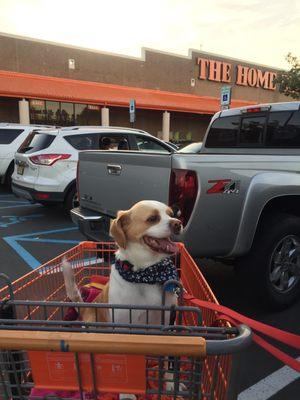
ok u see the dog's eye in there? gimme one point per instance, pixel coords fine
(153, 218)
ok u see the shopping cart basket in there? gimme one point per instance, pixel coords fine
(45, 356)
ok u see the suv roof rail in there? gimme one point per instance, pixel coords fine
(29, 125)
(100, 127)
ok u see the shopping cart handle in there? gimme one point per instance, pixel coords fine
(230, 346)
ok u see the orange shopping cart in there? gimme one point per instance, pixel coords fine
(44, 355)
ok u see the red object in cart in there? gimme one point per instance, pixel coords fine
(91, 360)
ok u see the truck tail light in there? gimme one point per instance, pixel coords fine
(255, 109)
(183, 192)
(48, 159)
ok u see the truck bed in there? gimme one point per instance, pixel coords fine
(231, 192)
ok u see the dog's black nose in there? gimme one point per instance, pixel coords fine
(175, 225)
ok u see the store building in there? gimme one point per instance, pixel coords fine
(49, 83)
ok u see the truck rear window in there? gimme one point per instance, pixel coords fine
(276, 129)
(223, 132)
(36, 141)
(283, 129)
(252, 131)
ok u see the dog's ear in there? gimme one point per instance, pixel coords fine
(117, 228)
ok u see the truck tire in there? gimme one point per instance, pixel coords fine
(271, 269)
(71, 200)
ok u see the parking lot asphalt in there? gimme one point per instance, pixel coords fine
(32, 234)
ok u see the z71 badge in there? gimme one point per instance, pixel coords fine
(224, 186)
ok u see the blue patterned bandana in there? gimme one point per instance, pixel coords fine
(161, 272)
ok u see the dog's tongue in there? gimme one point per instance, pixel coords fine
(161, 245)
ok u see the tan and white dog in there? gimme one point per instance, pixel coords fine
(143, 238)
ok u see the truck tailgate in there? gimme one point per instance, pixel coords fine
(111, 181)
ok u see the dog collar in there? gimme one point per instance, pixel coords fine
(161, 272)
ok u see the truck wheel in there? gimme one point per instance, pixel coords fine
(272, 268)
(71, 200)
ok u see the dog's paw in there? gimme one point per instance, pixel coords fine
(123, 396)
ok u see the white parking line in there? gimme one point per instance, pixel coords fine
(270, 385)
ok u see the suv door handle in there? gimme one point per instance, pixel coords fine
(114, 169)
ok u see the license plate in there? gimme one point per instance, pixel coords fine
(20, 169)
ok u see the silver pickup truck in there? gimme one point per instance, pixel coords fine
(238, 198)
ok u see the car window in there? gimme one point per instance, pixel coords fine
(148, 145)
(223, 132)
(36, 141)
(283, 129)
(113, 142)
(252, 130)
(87, 141)
(7, 136)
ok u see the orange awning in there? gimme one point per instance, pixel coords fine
(15, 84)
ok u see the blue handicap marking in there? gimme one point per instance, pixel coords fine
(7, 220)
(10, 201)
(14, 242)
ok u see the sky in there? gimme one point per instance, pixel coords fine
(260, 31)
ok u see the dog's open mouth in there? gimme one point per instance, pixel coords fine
(163, 245)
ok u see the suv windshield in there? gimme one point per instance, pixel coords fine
(36, 141)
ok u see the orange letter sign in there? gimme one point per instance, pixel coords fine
(242, 75)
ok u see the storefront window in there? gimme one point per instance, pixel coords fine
(9, 109)
(81, 114)
(87, 114)
(52, 113)
(186, 128)
(64, 114)
(37, 111)
(93, 114)
(67, 114)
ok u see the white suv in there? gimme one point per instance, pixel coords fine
(11, 137)
(46, 162)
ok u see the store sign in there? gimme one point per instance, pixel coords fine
(37, 103)
(220, 71)
(93, 107)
